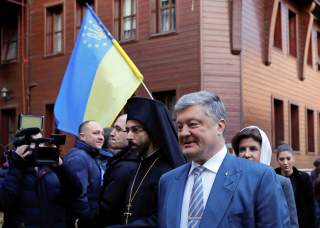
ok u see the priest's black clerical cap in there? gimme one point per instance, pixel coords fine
(155, 118)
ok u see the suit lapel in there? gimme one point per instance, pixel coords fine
(176, 197)
(221, 193)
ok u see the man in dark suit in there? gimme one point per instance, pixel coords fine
(216, 189)
(116, 178)
(81, 161)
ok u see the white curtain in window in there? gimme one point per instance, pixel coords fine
(127, 8)
(58, 33)
(129, 21)
(57, 43)
(12, 51)
(9, 48)
(165, 20)
(57, 22)
(164, 3)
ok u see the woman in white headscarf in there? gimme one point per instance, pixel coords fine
(252, 143)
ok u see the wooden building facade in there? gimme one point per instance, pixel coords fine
(260, 57)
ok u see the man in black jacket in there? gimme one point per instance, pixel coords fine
(82, 162)
(35, 196)
(117, 176)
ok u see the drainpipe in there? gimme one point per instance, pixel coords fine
(22, 59)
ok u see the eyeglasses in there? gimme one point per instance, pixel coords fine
(135, 129)
(119, 129)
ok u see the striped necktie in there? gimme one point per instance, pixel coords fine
(196, 205)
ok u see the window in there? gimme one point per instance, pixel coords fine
(163, 16)
(277, 42)
(54, 30)
(8, 126)
(309, 59)
(278, 122)
(310, 131)
(9, 39)
(81, 9)
(292, 33)
(294, 123)
(49, 124)
(318, 51)
(125, 19)
(318, 131)
(168, 98)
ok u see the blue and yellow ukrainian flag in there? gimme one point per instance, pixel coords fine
(99, 79)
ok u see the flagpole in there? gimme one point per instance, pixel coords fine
(145, 87)
(136, 71)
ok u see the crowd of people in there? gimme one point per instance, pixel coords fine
(146, 171)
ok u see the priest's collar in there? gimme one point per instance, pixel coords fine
(152, 156)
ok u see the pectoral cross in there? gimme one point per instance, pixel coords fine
(127, 214)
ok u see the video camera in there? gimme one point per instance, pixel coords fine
(45, 151)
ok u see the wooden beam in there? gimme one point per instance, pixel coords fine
(235, 26)
(304, 34)
(271, 7)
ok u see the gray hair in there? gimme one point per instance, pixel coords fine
(284, 147)
(211, 103)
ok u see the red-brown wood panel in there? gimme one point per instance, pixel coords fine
(280, 80)
(220, 70)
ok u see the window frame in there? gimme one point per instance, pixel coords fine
(290, 9)
(9, 42)
(155, 26)
(164, 95)
(63, 32)
(118, 27)
(278, 28)
(273, 121)
(76, 3)
(317, 44)
(49, 125)
(7, 134)
(307, 129)
(310, 51)
(318, 132)
(290, 103)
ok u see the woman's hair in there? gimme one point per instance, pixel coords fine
(245, 134)
(284, 147)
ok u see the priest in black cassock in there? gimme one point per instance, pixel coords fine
(152, 136)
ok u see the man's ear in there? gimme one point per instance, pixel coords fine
(81, 136)
(221, 126)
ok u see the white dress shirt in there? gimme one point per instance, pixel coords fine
(208, 176)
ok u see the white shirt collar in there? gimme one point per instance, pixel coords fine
(214, 163)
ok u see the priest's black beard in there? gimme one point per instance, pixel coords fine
(141, 149)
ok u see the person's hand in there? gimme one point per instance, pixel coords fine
(23, 151)
(19, 158)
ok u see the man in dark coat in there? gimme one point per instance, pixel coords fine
(301, 184)
(117, 176)
(152, 137)
(82, 162)
(35, 196)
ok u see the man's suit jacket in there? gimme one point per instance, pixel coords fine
(244, 194)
